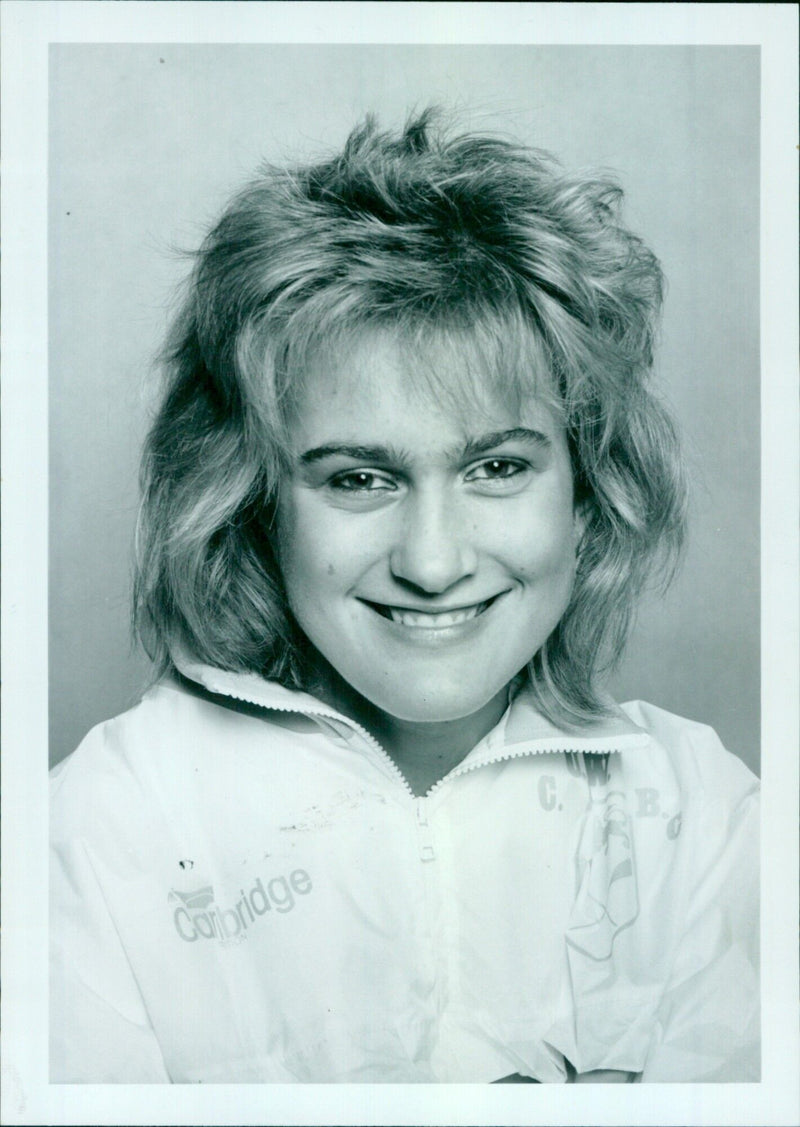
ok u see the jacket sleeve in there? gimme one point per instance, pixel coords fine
(707, 1027)
(99, 1028)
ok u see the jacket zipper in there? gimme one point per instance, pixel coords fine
(424, 835)
(516, 751)
(329, 715)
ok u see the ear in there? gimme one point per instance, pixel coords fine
(581, 516)
(581, 519)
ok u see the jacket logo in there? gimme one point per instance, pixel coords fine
(198, 916)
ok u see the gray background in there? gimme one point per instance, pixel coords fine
(146, 144)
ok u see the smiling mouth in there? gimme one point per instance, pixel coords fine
(430, 620)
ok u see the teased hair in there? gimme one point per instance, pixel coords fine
(470, 237)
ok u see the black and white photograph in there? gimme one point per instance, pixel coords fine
(420, 613)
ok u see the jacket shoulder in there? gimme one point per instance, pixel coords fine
(116, 765)
(696, 754)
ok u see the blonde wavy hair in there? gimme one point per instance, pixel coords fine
(430, 233)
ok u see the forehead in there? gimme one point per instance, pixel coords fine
(384, 379)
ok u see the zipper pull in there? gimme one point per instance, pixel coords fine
(424, 837)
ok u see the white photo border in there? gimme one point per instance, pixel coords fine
(28, 29)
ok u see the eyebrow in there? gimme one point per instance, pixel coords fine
(476, 446)
(388, 454)
(348, 450)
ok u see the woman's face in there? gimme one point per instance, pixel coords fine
(426, 553)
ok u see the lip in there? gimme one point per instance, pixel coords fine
(427, 620)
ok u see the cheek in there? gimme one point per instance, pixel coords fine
(314, 556)
(544, 548)
(295, 546)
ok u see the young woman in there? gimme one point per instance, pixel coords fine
(377, 819)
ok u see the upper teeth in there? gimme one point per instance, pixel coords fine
(435, 621)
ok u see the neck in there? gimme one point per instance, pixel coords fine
(423, 751)
(426, 752)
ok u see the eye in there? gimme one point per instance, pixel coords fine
(361, 481)
(498, 473)
(494, 468)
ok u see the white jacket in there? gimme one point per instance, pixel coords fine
(250, 895)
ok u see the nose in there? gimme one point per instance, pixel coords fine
(434, 549)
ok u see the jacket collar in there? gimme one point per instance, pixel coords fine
(522, 729)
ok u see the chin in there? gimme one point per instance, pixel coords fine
(437, 708)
